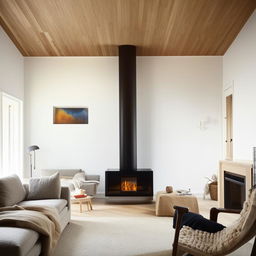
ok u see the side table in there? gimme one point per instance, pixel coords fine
(87, 200)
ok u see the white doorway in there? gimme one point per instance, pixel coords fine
(228, 122)
(11, 116)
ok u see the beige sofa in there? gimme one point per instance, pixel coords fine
(26, 242)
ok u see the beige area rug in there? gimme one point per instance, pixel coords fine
(120, 230)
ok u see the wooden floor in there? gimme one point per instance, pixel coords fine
(113, 214)
(103, 209)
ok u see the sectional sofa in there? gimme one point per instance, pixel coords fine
(20, 241)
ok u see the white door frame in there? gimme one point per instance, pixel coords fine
(228, 89)
(20, 136)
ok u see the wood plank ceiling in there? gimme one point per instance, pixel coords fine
(96, 27)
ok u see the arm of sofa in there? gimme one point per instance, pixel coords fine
(65, 194)
(92, 177)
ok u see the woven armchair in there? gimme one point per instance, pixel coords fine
(201, 243)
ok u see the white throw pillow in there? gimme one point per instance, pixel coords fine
(45, 187)
(78, 179)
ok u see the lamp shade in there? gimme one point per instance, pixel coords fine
(33, 148)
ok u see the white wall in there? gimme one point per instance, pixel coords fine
(11, 67)
(88, 82)
(239, 68)
(174, 94)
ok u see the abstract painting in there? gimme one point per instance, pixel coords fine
(70, 115)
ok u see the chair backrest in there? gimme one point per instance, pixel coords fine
(244, 228)
(225, 241)
(249, 212)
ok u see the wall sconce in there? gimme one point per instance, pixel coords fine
(204, 123)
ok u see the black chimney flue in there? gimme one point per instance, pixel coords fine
(128, 183)
(127, 108)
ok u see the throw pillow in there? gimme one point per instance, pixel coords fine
(45, 187)
(11, 190)
(78, 179)
(197, 221)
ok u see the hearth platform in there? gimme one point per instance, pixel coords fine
(129, 186)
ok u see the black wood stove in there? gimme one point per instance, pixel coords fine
(128, 182)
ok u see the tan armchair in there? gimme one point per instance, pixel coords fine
(200, 243)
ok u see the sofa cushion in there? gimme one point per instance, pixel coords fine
(58, 204)
(11, 190)
(44, 187)
(17, 241)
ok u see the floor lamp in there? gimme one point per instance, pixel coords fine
(31, 150)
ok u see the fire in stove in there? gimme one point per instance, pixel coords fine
(129, 184)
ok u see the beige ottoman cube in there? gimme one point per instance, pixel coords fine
(166, 201)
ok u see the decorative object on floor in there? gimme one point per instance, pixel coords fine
(196, 242)
(81, 200)
(166, 201)
(32, 150)
(214, 181)
(70, 115)
(213, 188)
(169, 189)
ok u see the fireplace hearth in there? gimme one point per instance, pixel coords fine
(128, 182)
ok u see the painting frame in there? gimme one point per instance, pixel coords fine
(70, 115)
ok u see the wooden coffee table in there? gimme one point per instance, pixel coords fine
(87, 200)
